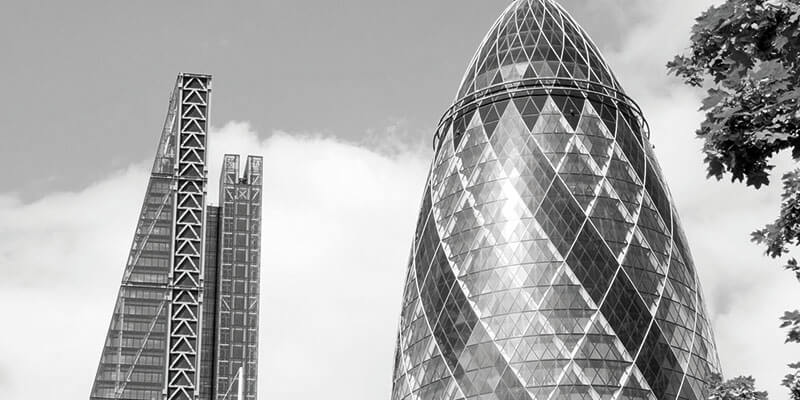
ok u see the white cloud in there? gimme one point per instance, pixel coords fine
(338, 223)
(53, 232)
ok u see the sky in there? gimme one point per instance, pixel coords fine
(341, 98)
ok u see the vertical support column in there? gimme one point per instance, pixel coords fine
(187, 258)
(240, 389)
(225, 364)
(253, 176)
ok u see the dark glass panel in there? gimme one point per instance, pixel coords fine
(659, 365)
(592, 262)
(626, 313)
(560, 216)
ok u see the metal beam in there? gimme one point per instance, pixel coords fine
(187, 257)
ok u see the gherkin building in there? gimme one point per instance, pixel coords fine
(548, 260)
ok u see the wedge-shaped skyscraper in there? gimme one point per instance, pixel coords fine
(548, 260)
(185, 324)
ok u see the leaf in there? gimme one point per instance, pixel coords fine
(780, 42)
(790, 318)
(771, 137)
(725, 113)
(789, 96)
(772, 70)
(795, 15)
(715, 96)
(715, 168)
(757, 179)
(714, 18)
(741, 58)
(787, 380)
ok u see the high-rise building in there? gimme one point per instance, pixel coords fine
(234, 267)
(185, 324)
(549, 261)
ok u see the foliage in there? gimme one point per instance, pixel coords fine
(792, 381)
(746, 53)
(791, 320)
(741, 388)
(786, 228)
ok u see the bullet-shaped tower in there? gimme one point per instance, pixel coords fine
(548, 260)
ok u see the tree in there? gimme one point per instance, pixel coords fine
(741, 388)
(746, 53)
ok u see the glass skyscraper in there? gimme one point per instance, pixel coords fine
(548, 261)
(185, 324)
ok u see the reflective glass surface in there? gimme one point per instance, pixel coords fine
(535, 39)
(133, 360)
(238, 278)
(548, 260)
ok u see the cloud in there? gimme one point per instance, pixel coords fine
(338, 224)
(54, 230)
(608, 22)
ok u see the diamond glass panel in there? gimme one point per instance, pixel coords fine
(548, 260)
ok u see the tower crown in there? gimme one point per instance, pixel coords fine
(533, 43)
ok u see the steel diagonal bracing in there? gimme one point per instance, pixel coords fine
(183, 339)
(133, 259)
(129, 374)
(548, 258)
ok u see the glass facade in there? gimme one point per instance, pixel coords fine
(186, 316)
(548, 260)
(134, 354)
(210, 320)
(238, 277)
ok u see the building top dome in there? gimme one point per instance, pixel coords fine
(536, 40)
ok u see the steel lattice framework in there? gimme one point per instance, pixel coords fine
(185, 275)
